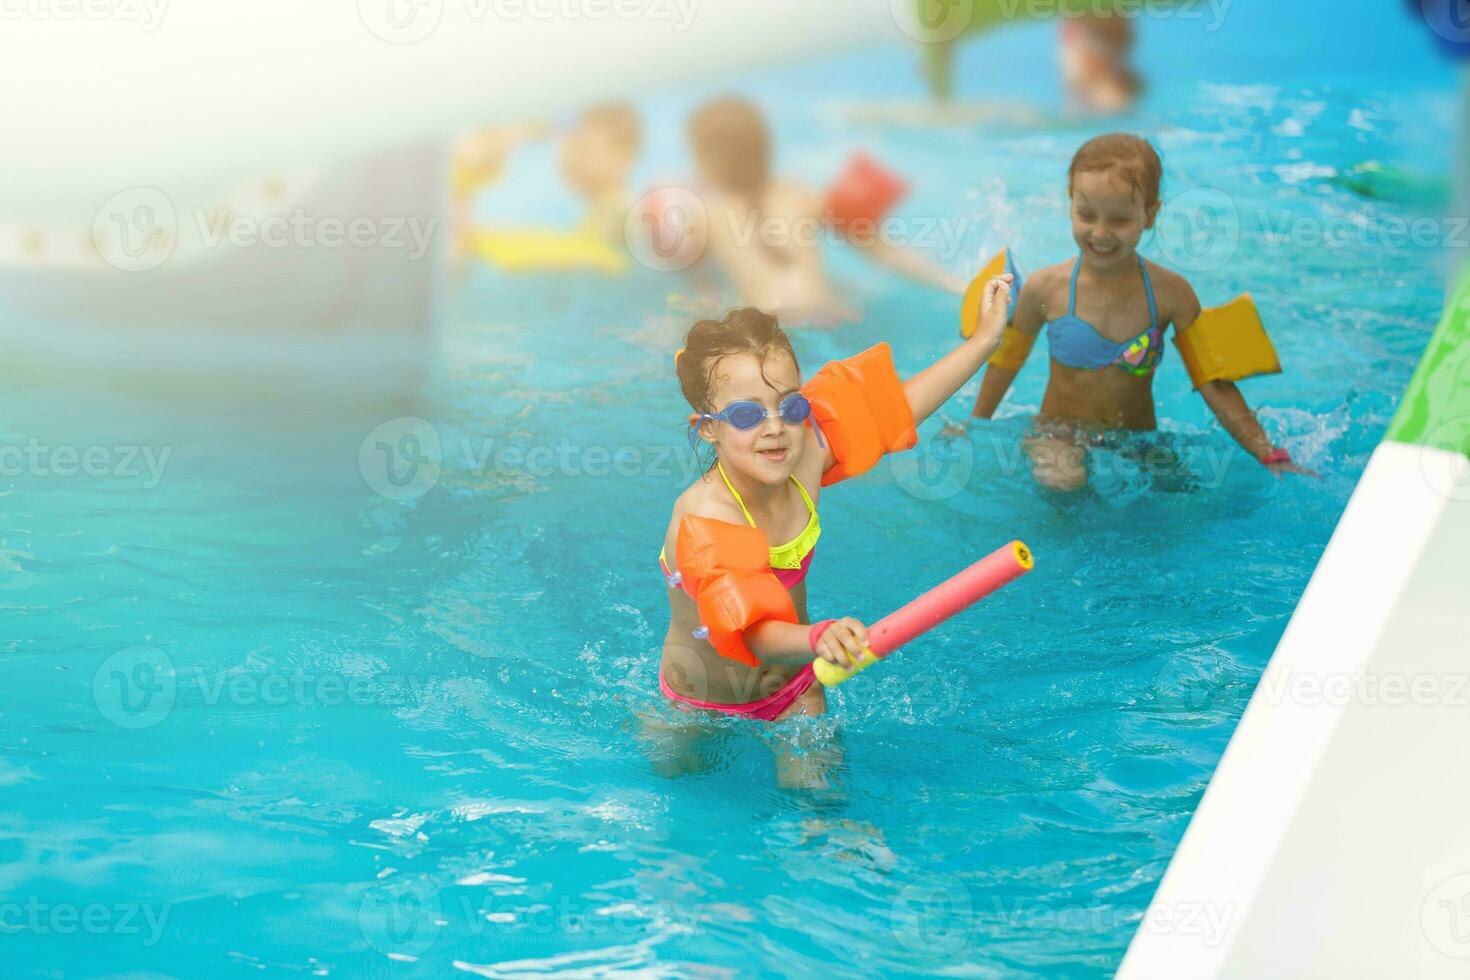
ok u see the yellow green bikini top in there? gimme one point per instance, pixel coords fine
(795, 553)
(790, 561)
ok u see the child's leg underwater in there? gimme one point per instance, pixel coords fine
(682, 747)
(1057, 462)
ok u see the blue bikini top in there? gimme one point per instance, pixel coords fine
(1077, 344)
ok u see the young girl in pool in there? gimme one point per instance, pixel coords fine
(1105, 314)
(741, 538)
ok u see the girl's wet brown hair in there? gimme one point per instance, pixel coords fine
(742, 331)
(1132, 158)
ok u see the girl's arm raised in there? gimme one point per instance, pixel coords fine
(866, 410)
(938, 382)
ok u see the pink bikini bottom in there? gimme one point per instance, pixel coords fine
(766, 709)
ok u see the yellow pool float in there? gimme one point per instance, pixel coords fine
(547, 250)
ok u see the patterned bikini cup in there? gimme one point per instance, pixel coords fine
(1142, 356)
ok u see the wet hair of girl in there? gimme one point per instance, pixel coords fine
(746, 330)
(1130, 158)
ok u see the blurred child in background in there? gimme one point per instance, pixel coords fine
(597, 155)
(766, 233)
(1095, 50)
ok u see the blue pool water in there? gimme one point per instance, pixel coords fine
(273, 700)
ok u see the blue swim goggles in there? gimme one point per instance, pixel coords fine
(745, 415)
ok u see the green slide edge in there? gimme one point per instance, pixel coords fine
(1435, 410)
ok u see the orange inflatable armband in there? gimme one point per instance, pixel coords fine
(726, 567)
(860, 409)
(1227, 343)
(863, 196)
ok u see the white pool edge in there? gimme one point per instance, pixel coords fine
(1225, 864)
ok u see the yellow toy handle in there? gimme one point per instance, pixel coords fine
(831, 675)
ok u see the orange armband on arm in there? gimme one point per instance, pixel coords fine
(1227, 343)
(862, 197)
(727, 568)
(1014, 348)
(861, 410)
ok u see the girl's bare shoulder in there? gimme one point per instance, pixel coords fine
(1049, 279)
(1175, 295)
(1045, 290)
(705, 497)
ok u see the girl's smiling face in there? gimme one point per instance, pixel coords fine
(769, 452)
(1108, 218)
